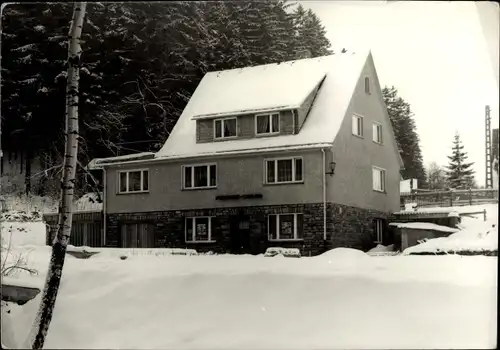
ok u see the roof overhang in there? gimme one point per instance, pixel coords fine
(235, 153)
(99, 163)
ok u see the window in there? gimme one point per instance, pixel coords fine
(133, 181)
(284, 170)
(367, 85)
(225, 128)
(137, 235)
(199, 229)
(199, 176)
(357, 125)
(378, 179)
(378, 226)
(285, 227)
(377, 132)
(267, 123)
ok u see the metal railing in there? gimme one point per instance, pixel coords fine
(449, 198)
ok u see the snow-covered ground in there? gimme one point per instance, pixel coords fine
(342, 299)
(475, 234)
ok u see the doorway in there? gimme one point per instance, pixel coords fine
(240, 234)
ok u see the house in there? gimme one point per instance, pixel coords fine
(297, 154)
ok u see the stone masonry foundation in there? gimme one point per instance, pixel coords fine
(346, 227)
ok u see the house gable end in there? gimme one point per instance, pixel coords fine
(377, 90)
(357, 154)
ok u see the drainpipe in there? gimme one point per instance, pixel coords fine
(324, 195)
(104, 190)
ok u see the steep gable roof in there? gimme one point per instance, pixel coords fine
(270, 87)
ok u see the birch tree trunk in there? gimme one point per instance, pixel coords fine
(41, 324)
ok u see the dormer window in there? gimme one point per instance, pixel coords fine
(225, 128)
(266, 124)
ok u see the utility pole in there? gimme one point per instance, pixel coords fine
(488, 159)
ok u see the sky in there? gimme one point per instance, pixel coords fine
(436, 54)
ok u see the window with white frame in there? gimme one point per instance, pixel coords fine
(367, 85)
(199, 176)
(199, 229)
(225, 128)
(378, 179)
(283, 170)
(377, 132)
(283, 227)
(378, 225)
(133, 181)
(267, 123)
(357, 125)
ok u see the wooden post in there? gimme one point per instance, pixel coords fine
(470, 196)
(451, 197)
(484, 214)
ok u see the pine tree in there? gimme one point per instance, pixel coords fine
(460, 174)
(407, 138)
(310, 34)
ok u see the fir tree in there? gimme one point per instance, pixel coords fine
(407, 138)
(460, 173)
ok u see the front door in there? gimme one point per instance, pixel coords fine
(137, 235)
(240, 234)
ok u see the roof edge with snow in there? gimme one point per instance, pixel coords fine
(98, 163)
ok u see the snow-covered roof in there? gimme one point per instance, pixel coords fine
(424, 226)
(274, 86)
(461, 210)
(256, 89)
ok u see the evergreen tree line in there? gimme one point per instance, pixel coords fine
(141, 62)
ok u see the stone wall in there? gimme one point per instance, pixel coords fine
(354, 227)
(346, 227)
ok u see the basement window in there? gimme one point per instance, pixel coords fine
(378, 228)
(285, 227)
(199, 229)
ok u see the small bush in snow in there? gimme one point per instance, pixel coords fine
(12, 264)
